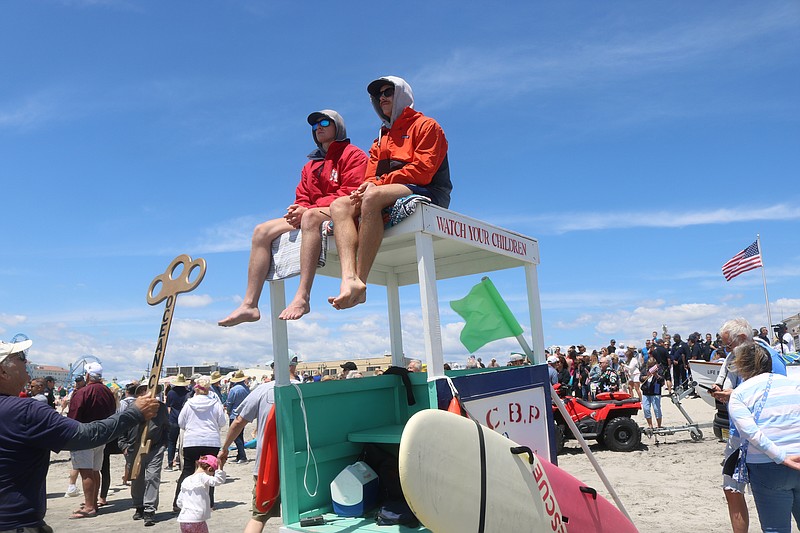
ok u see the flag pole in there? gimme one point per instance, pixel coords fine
(764, 277)
(576, 432)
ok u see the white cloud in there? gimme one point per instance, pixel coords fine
(633, 325)
(196, 300)
(472, 73)
(12, 320)
(567, 222)
(229, 236)
(579, 299)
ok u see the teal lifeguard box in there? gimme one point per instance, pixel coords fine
(430, 245)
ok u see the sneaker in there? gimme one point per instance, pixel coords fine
(149, 519)
(139, 514)
(72, 491)
(241, 462)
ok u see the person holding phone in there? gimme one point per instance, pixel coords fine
(652, 382)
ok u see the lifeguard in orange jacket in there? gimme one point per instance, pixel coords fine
(336, 169)
(408, 157)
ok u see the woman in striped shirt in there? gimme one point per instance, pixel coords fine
(765, 408)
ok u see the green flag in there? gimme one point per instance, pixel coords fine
(487, 316)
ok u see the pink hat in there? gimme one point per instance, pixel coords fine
(209, 460)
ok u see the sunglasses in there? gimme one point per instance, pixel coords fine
(21, 356)
(324, 123)
(386, 93)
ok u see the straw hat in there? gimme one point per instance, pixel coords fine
(215, 376)
(180, 381)
(238, 376)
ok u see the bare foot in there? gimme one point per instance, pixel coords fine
(353, 292)
(241, 314)
(296, 308)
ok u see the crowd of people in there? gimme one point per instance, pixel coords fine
(628, 368)
(187, 421)
(763, 449)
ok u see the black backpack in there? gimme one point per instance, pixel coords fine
(393, 510)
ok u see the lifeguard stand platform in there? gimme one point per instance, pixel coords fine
(431, 244)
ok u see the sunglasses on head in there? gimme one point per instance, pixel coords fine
(324, 123)
(22, 356)
(386, 93)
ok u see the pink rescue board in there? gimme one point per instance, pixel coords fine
(575, 509)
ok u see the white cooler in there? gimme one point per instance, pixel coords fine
(355, 490)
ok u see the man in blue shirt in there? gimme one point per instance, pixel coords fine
(236, 396)
(646, 352)
(31, 430)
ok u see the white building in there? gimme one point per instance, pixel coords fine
(58, 373)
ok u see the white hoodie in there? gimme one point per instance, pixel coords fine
(193, 499)
(202, 419)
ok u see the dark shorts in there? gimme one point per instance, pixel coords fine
(428, 193)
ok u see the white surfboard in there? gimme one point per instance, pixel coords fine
(441, 475)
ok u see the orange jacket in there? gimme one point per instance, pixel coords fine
(411, 152)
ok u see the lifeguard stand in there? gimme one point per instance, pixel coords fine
(431, 244)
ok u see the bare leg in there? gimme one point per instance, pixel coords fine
(737, 509)
(96, 482)
(310, 248)
(637, 388)
(254, 526)
(260, 257)
(90, 489)
(345, 232)
(370, 235)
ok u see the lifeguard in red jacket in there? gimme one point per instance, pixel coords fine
(336, 169)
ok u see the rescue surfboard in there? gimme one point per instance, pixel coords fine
(452, 482)
(575, 504)
(459, 476)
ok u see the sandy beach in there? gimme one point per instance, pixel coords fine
(672, 486)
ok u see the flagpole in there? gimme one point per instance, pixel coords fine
(764, 277)
(576, 432)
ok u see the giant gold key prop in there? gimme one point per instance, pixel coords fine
(170, 284)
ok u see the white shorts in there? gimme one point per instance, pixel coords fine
(728, 483)
(91, 459)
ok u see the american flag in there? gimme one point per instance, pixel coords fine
(747, 259)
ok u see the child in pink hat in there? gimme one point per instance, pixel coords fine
(194, 500)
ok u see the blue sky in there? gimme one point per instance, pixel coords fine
(643, 145)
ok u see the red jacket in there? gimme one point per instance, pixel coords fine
(338, 174)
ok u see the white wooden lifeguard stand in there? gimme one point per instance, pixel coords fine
(431, 244)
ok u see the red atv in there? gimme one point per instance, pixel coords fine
(607, 420)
